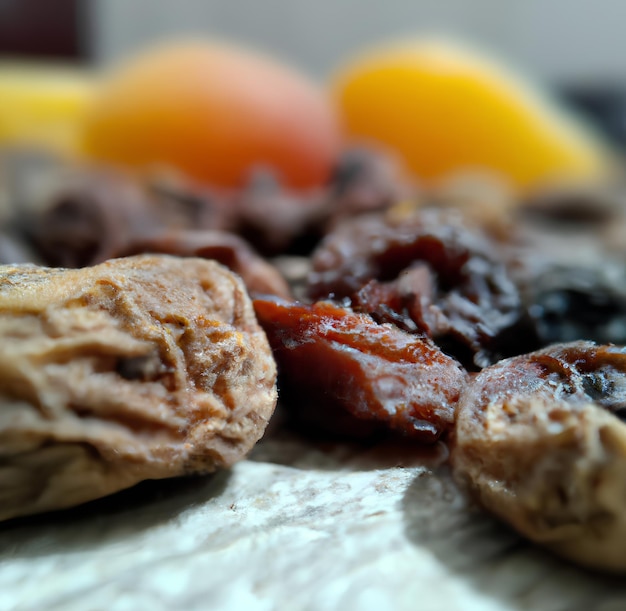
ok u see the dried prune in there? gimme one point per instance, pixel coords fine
(569, 264)
(139, 368)
(426, 270)
(569, 303)
(364, 181)
(540, 439)
(331, 356)
(275, 220)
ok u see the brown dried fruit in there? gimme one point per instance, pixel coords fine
(335, 361)
(276, 220)
(427, 273)
(365, 181)
(228, 249)
(86, 216)
(540, 439)
(139, 368)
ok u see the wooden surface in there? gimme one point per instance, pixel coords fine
(297, 526)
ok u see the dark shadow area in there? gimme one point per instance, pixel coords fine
(293, 446)
(292, 449)
(107, 520)
(494, 560)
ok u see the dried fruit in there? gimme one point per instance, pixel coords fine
(445, 108)
(427, 273)
(572, 293)
(569, 303)
(84, 217)
(258, 275)
(334, 360)
(541, 441)
(215, 112)
(43, 105)
(139, 368)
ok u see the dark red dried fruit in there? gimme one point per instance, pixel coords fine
(427, 273)
(331, 356)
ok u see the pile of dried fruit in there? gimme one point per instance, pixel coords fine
(436, 314)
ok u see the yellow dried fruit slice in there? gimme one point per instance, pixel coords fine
(445, 108)
(43, 105)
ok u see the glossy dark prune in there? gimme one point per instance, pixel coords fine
(568, 304)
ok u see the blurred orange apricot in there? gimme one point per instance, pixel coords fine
(445, 108)
(215, 112)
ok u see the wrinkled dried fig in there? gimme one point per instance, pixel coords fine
(139, 368)
(540, 440)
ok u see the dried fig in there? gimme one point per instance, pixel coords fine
(139, 368)
(540, 440)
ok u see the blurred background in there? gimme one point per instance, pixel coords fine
(567, 41)
(575, 46)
